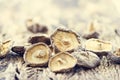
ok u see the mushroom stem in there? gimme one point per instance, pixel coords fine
(61, 61)
(40, 53)
(65, 42)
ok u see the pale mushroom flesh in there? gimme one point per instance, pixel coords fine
(97, 45)
(38, 54)
(5, 47)
(61, 62)
(65, 40)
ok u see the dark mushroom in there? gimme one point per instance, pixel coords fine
(87, 59)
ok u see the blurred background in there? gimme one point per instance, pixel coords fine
(74, 14)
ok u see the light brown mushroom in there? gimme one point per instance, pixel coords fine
(98, 46)
(5, 48)
(37, 55)
(65, 40)
(62, 62)
(87, 59)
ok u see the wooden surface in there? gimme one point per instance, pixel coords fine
(76, 15)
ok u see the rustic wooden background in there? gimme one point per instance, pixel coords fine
(73, 14)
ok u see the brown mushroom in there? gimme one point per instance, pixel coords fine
(65, 40)
(115, 57)
(37, 55)
(98, 46)
(37, 39)
(87, 59)
(5, 48)
(36, 27)
(62, 62)
(92, 33)
(19, 50)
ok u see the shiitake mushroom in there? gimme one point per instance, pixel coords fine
(39, 38)
(115, 56)
(37, 55)
(92, 33)
(36, 27)
(20, 50)
(86, 59)
(65, 40)
(5, 48)
(98, 46)
(62, 62)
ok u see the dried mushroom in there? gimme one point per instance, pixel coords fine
(62, 62)
(98, 46)
(37, 55)
(115, 57)
(37, 39)
(36, 27)
(5, 48)
(87, 59)
(91, 35)
(65, 40)
(19, 50)
(117, 31)
(91, 32)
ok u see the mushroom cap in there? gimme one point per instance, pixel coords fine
(5, 48)
(35, 27)
(97, 45)
(36, 39)
(65, 40)
(87, 59)
(61, 62)
(18, 49)
(117, 52)
(37, 55)
(115, 57)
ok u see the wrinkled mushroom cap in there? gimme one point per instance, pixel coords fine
(39, 38)
(61, 62)
(5, 47)
(37, 55)
(65, 40)
(18, 49)
(35, 27)
(97, 45)
(87, 59)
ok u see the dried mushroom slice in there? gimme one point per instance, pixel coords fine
(98, 46)
(65, 40)
(37, 55)
(5, 48)
(115, 57)
(62, 62)
(19, 50)
(37, 39)
(87, 59)
(36, 27)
